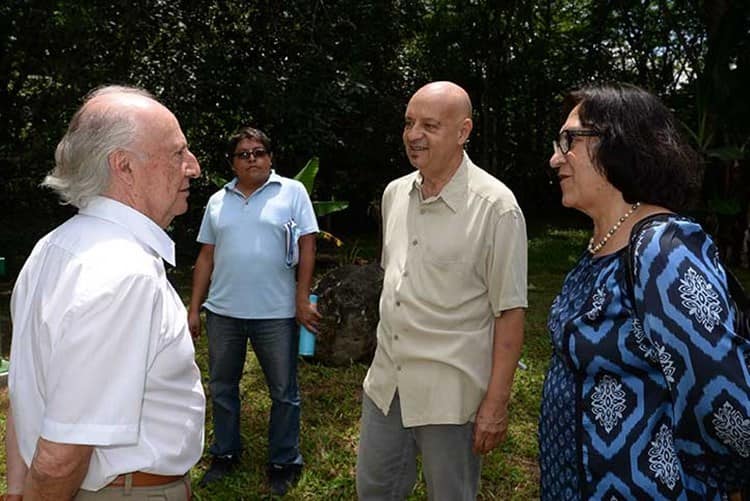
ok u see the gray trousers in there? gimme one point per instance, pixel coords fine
(387, 457)
(175, 491)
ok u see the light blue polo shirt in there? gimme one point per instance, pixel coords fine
(250, 278)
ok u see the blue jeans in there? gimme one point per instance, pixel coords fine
(275, 344)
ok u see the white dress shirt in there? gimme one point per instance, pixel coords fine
(101, 354)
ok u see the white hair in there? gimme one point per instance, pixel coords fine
(82, 157)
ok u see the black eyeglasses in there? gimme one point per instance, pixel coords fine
(564, 140)
(245, 155)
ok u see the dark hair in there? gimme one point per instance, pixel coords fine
(640, 151)
(247, 133)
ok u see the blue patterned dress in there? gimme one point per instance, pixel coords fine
(653, 404)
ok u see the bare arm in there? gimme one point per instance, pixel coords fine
(491, 423)
(57, 471)
(15, 467)
(307, 313)
(204, 266)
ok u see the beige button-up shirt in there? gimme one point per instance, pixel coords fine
(452, 264)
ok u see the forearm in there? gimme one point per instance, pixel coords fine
(204, 267)
(306, 266)
(506, 351)
(57, 471)
(15, 467)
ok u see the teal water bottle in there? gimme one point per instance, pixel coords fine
(307, 338)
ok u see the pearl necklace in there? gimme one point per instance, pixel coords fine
(593, 249)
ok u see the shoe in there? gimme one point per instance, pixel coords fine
(220, 467)
(282, 477)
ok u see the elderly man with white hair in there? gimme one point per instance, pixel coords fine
(106, 398)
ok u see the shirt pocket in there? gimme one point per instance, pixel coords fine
(446, 284)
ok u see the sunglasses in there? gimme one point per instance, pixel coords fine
(245, 155)
(564, 140)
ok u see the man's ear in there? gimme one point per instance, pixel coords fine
(120, 167)
(463, 134)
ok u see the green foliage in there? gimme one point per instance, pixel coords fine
(332, 79)
(307, 177)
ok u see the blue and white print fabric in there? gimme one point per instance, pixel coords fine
(660, 389)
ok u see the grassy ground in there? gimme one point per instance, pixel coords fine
(332, 399)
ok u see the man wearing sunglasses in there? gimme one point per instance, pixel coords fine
(254, 231)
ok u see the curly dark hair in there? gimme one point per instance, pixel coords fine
(246, 133)
(640, 151)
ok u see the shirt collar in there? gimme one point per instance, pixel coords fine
(272, 178)
(141, 226)
(454, 193)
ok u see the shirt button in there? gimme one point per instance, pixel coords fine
(422, 211)
(395, 337)
(398, 303)
(414, 242)
(398, 367)
(406, 273)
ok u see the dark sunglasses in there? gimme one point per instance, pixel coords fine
(245, 155)
(564, 140)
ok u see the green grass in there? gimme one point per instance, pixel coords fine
(332, 398)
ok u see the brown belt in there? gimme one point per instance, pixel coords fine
(143, 479)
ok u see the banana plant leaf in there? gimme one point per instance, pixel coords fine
(327, 207)
(307, 175)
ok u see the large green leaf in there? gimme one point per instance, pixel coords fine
(307, 175)
(323, 208)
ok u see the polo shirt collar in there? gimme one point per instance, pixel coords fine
(141, 226)
(272, 178)
(455, 192)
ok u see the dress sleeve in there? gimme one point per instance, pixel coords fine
(682, 302)
(97, 372)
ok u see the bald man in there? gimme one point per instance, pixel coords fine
(106, 398)
(451, 312)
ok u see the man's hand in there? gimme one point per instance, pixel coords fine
(307, 314)
(194, 323)
(490, 426)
